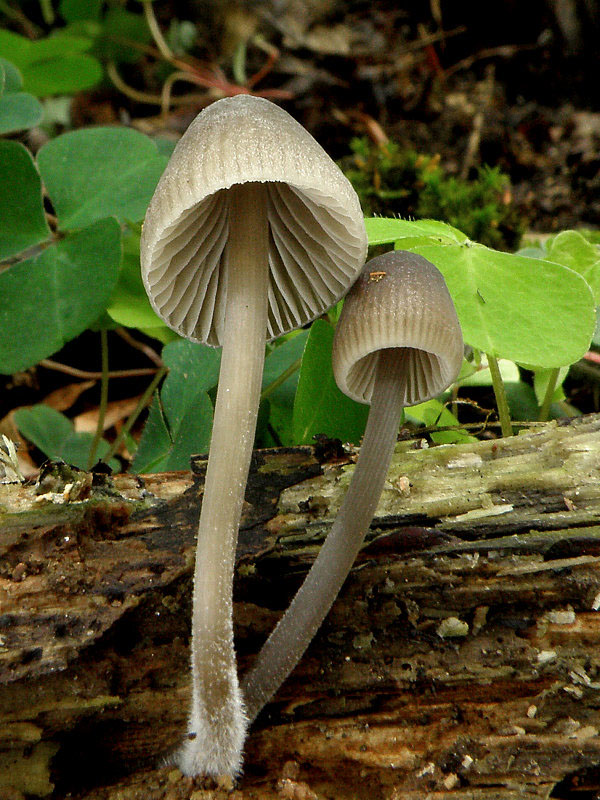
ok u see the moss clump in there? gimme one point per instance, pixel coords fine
(394, 182)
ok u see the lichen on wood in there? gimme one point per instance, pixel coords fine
(461, 659)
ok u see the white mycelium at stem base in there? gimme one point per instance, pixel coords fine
(252, 231)
(398, 342)
(308, 609)
(217, 726)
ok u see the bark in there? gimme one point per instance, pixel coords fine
(460, 661)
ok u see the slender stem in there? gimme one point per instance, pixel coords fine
(30, 30)
(501, 401)
(156, 32)
(280, 379)
(238, 63)
(165, 95)
(218, 723)
(141, 346)
(142, 403)
(94, 376)
(308, 609)
(103, 398)
(547, 402)
(272, 56)
(147, 97)
(47, 12)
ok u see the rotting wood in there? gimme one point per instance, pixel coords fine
(461, 660)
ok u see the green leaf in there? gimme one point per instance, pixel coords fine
(527, 310)
(155, 444)
(121, 31)
(319, 406)
(382, 230)
(532, 252)
(279, 403)
(509, 372)
(193, 368)
(99, 172)
(45, 427)
(10, 78)
(53, 434)
(572, 250)
(281, 420)
(62, 75)
(57, 64)
(596, 336)
(15, 48)
(434, 413)
(77, 10)
(21, 211)
(129, 304)
(161, 333)
(18, 110)
(541, 379)
(180, 422)
(47, 300)
(521, 401)
(284, 356)
(165, 146)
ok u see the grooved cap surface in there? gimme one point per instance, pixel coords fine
(399, 301)
(317, 238)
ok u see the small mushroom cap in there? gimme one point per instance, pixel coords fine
(317, 237)
(399, 301)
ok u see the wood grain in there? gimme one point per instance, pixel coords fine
(460, 661)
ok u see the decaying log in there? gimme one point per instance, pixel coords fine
(460, 661)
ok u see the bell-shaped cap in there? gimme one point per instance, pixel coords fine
(399, 301)
(317, 238)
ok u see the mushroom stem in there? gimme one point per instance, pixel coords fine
(310, 606)
(218, 723)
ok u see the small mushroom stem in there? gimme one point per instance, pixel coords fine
(218, 722)
(310, 606)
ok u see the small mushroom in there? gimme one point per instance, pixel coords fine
(398, 342)
(252, 231)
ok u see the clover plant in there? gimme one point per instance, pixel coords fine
(69, 261)
(19, 110)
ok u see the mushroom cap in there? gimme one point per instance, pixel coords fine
(317, 237)
(401, 301)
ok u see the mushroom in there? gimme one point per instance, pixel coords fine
(252, 231)
(398, 342)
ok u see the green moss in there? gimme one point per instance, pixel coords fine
(394, 182)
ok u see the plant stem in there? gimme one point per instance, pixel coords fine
(146, 97)
(156, 32)
(308, 609)
(217, 725)
(142, 403)
(238, 63)
(501, 401)
(141, 346)
(547, 402)
(47, 11)
(94, 376)
(103, 398)
(31, 31)
(167, 99)
(280, 379)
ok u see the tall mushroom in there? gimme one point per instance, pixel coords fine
(252, 231)
(398, 342)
